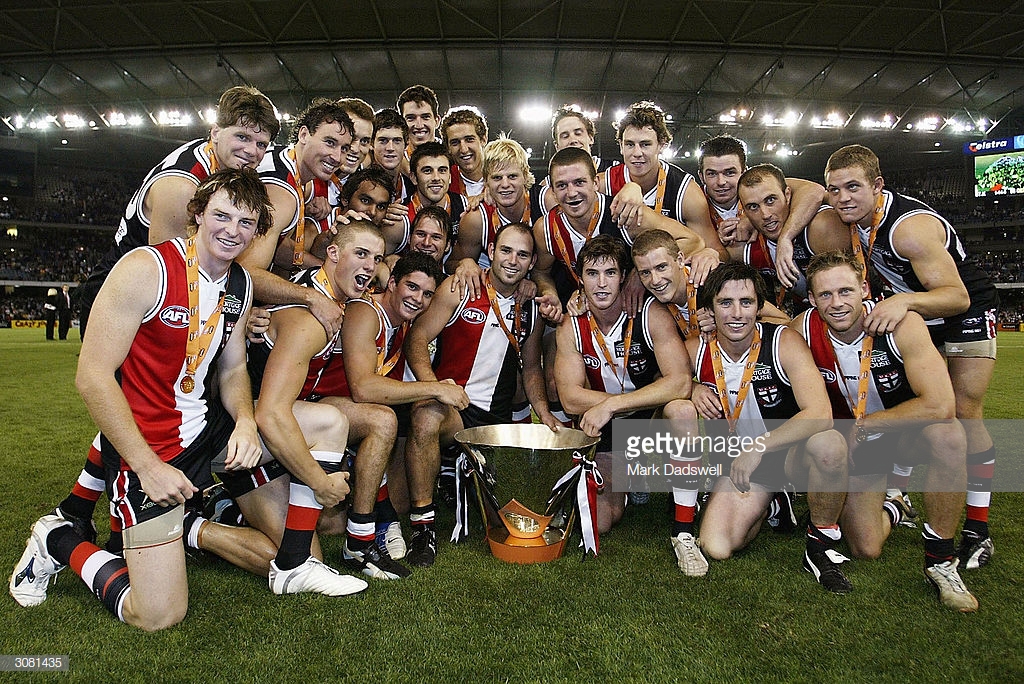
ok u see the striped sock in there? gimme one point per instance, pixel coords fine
(980, 468)
(936, 549)
(102, 571)
(81, 502)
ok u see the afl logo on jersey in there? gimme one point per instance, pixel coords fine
(474, 316)
(828, 375)
(174, 317)
(591, 361)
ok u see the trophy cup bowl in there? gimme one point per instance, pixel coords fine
(520, 464)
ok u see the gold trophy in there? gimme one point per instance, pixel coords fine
(533, 469)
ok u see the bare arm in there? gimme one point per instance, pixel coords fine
(533, 376)
(468, 245)
(928, 377)
(547, 295)
(244, 448)
(358, 335)
(166, 207)
(426, 329)
(129, 292)
(807, 197)
(698, 220)
(271, 289)
(921, 239)
(297, 338)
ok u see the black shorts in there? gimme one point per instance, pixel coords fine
(130, 504)
(875, 456)
(606, 433)
(974, 325)
(474, 416)
(770, 472)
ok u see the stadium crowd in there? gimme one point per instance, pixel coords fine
(414, 278)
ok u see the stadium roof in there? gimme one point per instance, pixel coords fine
(956, 60)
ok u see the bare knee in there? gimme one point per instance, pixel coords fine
(680, 410)
(827, 451)
(716, 546)
(946, 444)
(864, 549)
(154, 621)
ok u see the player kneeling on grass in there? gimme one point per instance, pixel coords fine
(162, 319)
(749, 373)
(292, 366)
(895, 388)
(609, 365)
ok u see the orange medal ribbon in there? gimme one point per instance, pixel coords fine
(563, 251)
(608, 356)
(512, 335)
(211, 157)
(198, 344)
(858, 248)
(859, 408)
(659, 197)
(386, 366)
(780, 296)
(748, 373)
(300, 227)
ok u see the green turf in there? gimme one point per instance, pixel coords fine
(628, 614)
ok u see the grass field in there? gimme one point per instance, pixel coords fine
(627, 615)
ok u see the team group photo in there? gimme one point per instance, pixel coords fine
(385, 382)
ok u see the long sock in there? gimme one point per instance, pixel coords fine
(899, 478)
(81, 502)
(684, 508)
(421, 517)
(303, 514)
(102, 571)
(360, 531)
(522, 413)
(895, 513)
(383, 509)
(936, 549)
(980, 467)
(115, 543)
(822, 538)
(559, 413)
(192, 529)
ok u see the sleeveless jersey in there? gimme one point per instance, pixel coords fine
(719, 214)
(191, 161)
(897, 271)
(259, 352)
(474, 351)
(565, 264)
(278, 168)
(676, 182)
(770, 396)
(761, 255)
(150, 376)
(491, 219)
(456, 208)
(888, 385)
(334, 381)
(643, 364)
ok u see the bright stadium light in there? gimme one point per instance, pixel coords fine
(73, 121)
(535, 114)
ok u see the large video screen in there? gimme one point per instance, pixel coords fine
(999, 174)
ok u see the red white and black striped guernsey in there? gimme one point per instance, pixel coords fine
(676, 183)
(150, 376)
(474, 351)
(769, 386)
(260, 352)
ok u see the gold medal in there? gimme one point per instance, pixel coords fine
(187, 384)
